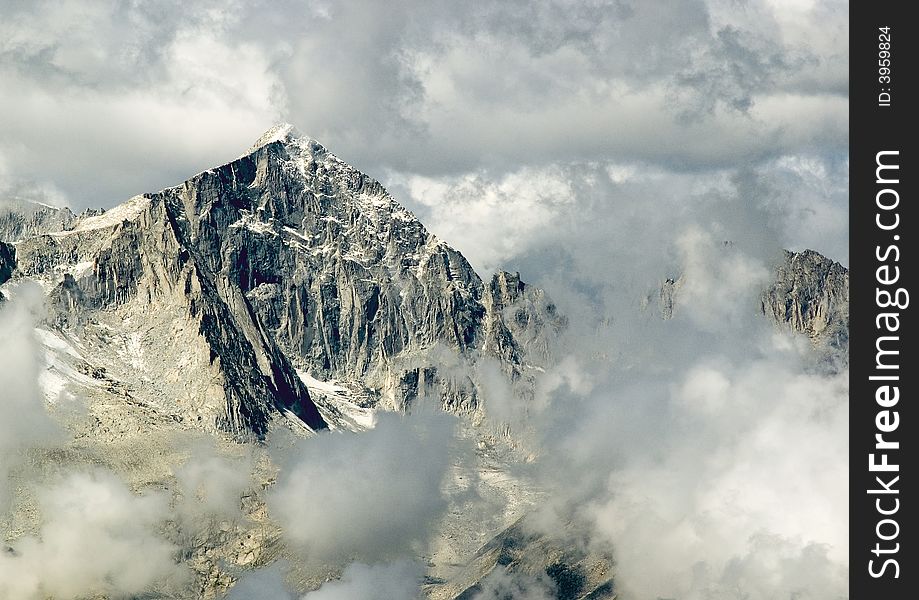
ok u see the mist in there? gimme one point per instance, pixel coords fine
(24, 421)
(370, 496)
(97, 537)
(708, 450)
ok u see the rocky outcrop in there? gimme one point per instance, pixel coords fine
(522, 323)
(811, 296)
(667, 296)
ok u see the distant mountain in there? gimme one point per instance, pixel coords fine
(809, 295)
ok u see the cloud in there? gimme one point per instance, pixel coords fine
(117, 99)
(667, 438)
(266, 584)
(735, 447)
(433, 89)
(718, 284)
(590, 217)
(370, 496)
(683, 443)
(212, 485)
(24, 421)
(492, 219)
(398, 580)
(96, 538)
(811, 196)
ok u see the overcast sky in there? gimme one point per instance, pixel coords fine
(105, 99)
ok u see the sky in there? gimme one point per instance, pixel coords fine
(480, 113)
(596, 147)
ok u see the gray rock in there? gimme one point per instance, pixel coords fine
(668, 293)
(811, 296)
(20, 219)
(564, 566)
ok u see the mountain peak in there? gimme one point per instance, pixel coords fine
(298, 145)
(280, 132)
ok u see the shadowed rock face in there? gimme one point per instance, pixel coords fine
(7, 261)
(284, 259)
(131, 268)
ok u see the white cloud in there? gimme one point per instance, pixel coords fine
(426, 88)
(24, 421)
(725, 464)
(500, 585)
(493, 219)
(396, 580)
(718, 283)
(265, 584)
(96, 538)
(371, 496)
(212, 485)
(399, 580)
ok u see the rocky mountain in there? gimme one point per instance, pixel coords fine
(286, 289)
(810, 295)
(20, 219)
(282, 263)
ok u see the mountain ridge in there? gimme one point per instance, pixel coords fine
(287, 259)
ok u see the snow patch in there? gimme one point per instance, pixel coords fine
(77, 269)
(250, 222)
(60, 374)
(127, 211)
(336, 404)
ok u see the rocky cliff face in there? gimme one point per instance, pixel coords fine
(285, 262)
(20, 219)
(130, 271)
(7, 261)
(811, 296)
